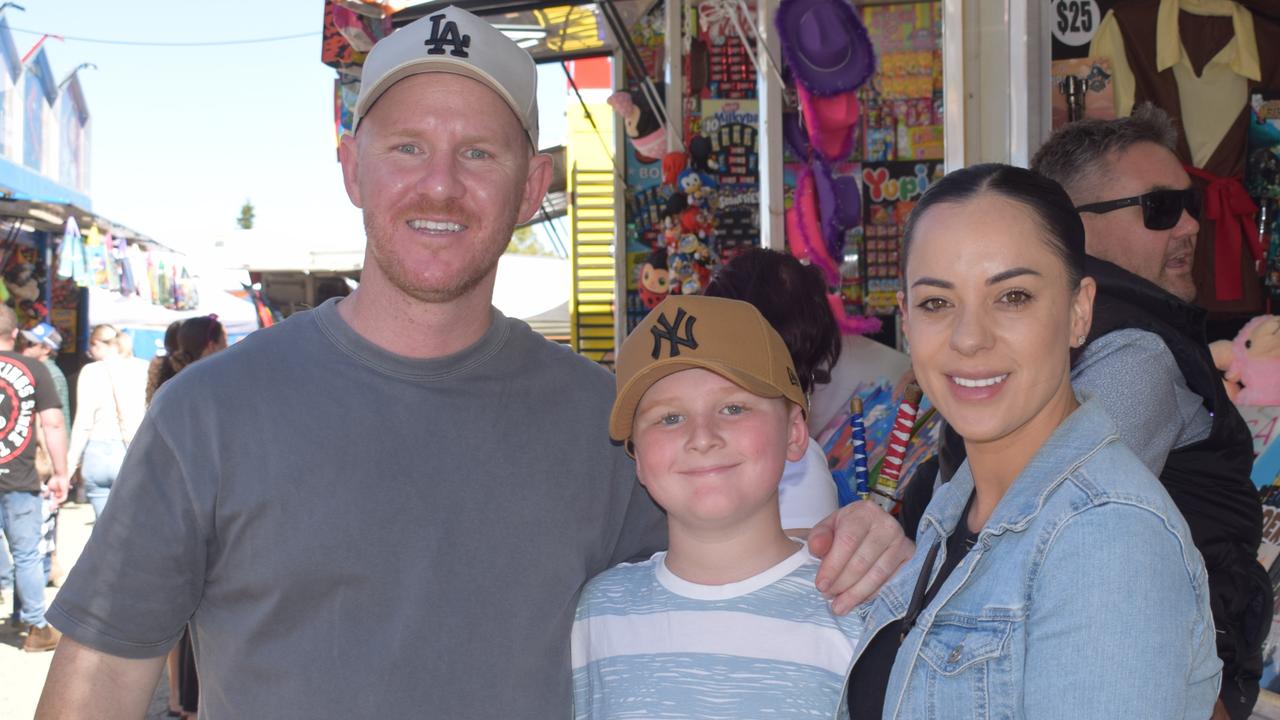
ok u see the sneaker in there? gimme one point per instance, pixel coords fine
(42, 639)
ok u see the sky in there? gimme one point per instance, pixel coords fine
(181, 137)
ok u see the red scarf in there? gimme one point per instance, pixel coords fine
(1234, 215)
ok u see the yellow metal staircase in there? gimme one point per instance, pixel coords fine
(591, 305)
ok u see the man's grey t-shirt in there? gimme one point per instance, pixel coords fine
(358, 534)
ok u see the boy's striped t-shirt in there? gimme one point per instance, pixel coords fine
(647, 644)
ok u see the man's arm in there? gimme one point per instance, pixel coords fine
(83, 682)
(861, 547)
(1135, 376)
(55, 441)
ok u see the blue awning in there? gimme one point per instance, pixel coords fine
(22, 183)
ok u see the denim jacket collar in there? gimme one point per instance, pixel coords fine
(964, 652)
(1076, 439)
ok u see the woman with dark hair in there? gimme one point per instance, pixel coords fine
(1053, 576)
(793, 298)
(185, 342)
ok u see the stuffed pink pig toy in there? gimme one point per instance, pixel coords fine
(1252, 362)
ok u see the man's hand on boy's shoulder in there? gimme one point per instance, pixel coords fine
(861, 547)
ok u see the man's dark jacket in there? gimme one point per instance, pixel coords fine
(1208, 480)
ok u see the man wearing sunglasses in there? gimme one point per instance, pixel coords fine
(1148, 359)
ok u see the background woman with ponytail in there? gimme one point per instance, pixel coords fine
(185, 341)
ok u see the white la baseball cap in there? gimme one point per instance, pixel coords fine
(453, 40)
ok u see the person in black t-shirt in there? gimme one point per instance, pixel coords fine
(27, 391)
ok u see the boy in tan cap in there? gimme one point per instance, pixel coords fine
(727, 622)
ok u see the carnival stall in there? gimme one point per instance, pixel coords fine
(859, 132)
(101, 275)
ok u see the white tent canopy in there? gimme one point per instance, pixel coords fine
(534, 289)
(237, 315)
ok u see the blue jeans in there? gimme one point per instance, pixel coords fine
(6, 565)
(101, 465)
(21, 512)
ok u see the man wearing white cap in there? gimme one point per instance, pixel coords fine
(386, 506)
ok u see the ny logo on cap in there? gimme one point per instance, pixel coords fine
(449, 35)
(671, 333)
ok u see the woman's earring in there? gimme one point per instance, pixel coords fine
(1079, 340)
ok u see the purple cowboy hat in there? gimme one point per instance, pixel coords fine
(823, 207)
(839, 205)
(825, 45)
(793, 134)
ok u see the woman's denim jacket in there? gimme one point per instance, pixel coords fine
(1082, 598)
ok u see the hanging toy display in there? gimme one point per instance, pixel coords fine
(708, 193)
(688, 233)
(829, 56)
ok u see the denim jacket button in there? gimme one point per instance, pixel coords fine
(955, 654)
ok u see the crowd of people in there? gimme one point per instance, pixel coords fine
(403, 502)
(84, 452)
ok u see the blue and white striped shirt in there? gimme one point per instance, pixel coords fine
(647, 644)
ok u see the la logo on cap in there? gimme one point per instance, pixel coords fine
(448, 35)
(671, 333)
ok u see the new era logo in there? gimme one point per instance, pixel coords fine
(447, 34)
(671, 333)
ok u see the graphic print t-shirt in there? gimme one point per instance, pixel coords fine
(26, 388)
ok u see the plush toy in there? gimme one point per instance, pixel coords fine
(647, 135)
(673, 163)
(697, 221)
(654, 281)
(701, 156)
(696, 187)
(1252, 362)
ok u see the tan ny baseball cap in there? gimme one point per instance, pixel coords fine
(453, 41)
(728, 337)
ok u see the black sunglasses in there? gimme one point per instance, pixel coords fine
(1161, 209)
